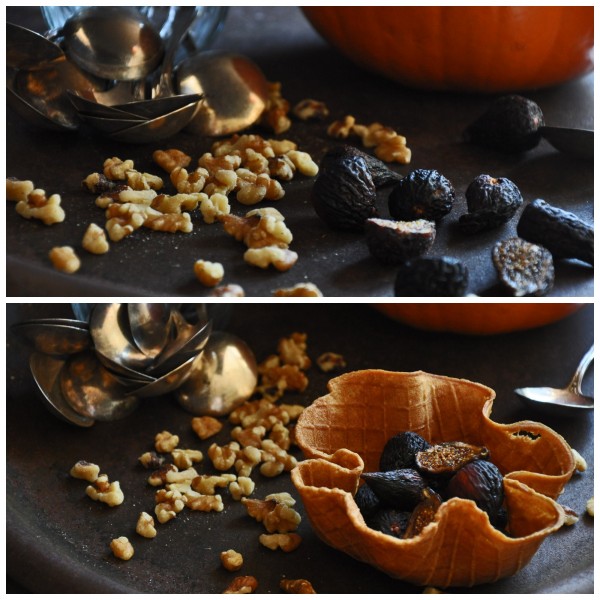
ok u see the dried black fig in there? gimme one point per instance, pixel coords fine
(422, 194)
(423, 514)
(366, 500)
(379, 171)
(390, 521)
(491, 201)
(431, 276)
(482, 482)
(510, 124)
(400, 451)
(448, 457)
(344, 194)
(401, 489)
(561, 232)
(392, 242)
(526, 269)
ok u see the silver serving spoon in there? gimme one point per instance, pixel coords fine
(26, 49)
(570, 398)
(235, 91)
(92, 391)
(113, 42)
(167, 382)
(46, 374)
(223, 377)
(149, 323)
(53, 339)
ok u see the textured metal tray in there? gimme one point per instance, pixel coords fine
(58, 539)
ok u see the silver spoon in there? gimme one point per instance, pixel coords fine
(53, 339)
(223, 377)
(168, 382)
(235, 91)
(109, 327)
(26, 49)
(576, 142)
(46, 374)
(113, 42)
(570, 398)
(149, 323)
(92, 391)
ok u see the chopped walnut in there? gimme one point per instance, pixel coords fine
(165, 441)
(308, 109)
(251, 436)
(17, 190)
(275, 516)
(176, 203)
(341, 129)
(171, 223)
(304, 290)
(209, 273)
(283, 259)
(248, 458)
(39, 206)
(276, 459)
(64, 259)
(143, 181)
(374, 134)
(275, 114)
(151, 460)
(214, 207)
(288, 542)
(121, 547)
(232, 560)
(115, 168)
(571, 517)
(223, 457)
(279, 147)
(330, 361)
(159, 477)
(168, 504)
(252, 187)
(206, 426)
(104, 491)
(188, 183)
(292, 351)
(242, 487)
(221, 182)
(259, 228)
(175, 476)
(83, 469)
(94, 240)
(288, 376)
(245, 584)
(213, 164)
(394, 150)
(206, 484)
(231, 290)
(170, 159)
(123, 220)
(580, 462)
(297, 586)
(282, 497)
(184, 459)
(98, 183)
(255, 161)
(145, 526)
(131, 196)
(303, 162)
(280, 434)
(206, 503)
(281, 167)
(589, 506)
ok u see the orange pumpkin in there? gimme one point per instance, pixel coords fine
(478, 319)
(474, 48)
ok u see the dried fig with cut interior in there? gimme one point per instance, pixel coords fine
(423, 514)
(448, 457)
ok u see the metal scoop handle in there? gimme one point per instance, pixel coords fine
(575, 383)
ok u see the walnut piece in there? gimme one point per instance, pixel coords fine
(214, 207)
(232, 560)
(242, 487)
(580, 462)
(206, 426)
(209, 273)
(571, 516)
(276, 517)
(308, 109)
(246, 459)
(275, 114)
(206, 503)
(38, 206)
(145, 526)
(330, 361)
(341, 129)
(184, 459)
(104, 491)
(170, 159)
(17, 190)
(165, 441)
(116, 169)
(303, 290)
(85, 470)
(283, 259)
(231, 290)
(121, 547)
(244, 584)
(297, 586)
(206, 484)
(589, 506)
(292, 350)
(94, 240)
(287, 542)
(64, 259)
(223, 457)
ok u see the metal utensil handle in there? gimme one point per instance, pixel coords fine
(575, 383)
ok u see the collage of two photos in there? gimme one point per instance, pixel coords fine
(300, 300)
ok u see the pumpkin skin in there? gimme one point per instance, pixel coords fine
(477, 319)
(477, 49)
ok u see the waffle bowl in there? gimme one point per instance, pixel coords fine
(344, 432)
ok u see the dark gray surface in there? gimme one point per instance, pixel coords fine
(57, 538)
(284, 45)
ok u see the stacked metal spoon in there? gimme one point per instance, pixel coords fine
(98, 366)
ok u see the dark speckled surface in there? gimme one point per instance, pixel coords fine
(57, 538)
(282, 42)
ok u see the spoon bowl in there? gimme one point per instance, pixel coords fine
(113, 42)
(569, 400)
(92, 391)
(53, 339)
(168, 382)
(46, 375)
(223, 377)
(149, 323)
(27, 49)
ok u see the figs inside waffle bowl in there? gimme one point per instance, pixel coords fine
(343, 433)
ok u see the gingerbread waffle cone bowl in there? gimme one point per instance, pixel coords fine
(343, 434)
